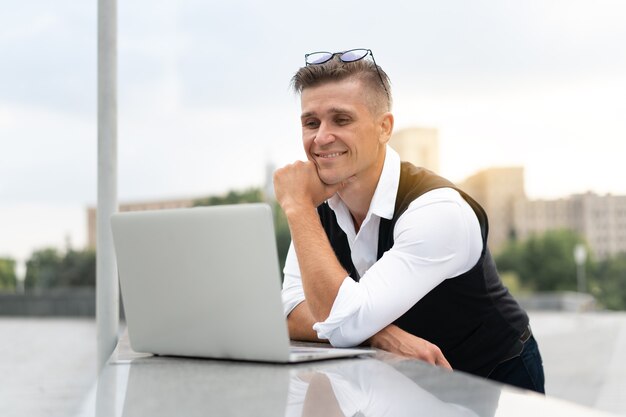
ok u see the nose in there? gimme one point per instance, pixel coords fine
(324, 135)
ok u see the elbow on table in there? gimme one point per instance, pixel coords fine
(341, 339)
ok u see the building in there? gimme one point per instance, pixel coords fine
(151, 205)
(601, 220)
(498, 190)
(417, 145)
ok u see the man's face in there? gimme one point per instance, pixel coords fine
(340, 132)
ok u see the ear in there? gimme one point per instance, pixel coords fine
(386, 127)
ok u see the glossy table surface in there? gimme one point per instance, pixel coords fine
(133, 384)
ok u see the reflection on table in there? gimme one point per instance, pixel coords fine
(387, 385)
(373, 388)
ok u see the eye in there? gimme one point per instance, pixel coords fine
(310, 123)
(342, 120)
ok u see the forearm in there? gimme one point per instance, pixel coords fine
(321, 272)
(385, 339)
(394, 339)
(300, 323)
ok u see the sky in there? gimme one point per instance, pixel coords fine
(204, 102)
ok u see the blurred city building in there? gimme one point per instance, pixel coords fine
(137, 206)
(600, 219)
(418, 145)
(497, 190)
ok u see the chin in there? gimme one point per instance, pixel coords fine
(330, 179)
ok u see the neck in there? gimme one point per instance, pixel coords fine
(357, 196)
(358, 202)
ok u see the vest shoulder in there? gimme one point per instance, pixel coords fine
(415, 181)
(422, 177)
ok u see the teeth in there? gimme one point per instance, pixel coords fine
(331, 155)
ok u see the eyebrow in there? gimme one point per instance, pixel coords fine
(333, 110)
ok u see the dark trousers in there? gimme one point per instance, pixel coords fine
(524, 371)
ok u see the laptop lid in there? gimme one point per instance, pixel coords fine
(202, 282)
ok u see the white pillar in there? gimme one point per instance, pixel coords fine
(107, 298)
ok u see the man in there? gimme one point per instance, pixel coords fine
(385, 253)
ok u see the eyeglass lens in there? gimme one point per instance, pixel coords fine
(318, 58)
(353, 55)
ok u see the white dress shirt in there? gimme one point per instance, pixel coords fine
(436, 238)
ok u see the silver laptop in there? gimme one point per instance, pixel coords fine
(205, 282)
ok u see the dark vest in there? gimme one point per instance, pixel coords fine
(472, 317)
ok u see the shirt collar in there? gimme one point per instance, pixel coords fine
(384, 200)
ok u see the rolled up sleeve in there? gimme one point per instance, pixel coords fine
(336, 328)
(292, 292)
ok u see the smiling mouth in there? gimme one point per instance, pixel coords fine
(330, 155)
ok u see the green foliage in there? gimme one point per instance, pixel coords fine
(48, 268)
(608, 282)
(283, 236)
(251, 195)
(255, 195)
(78, 269)
(546, 263)
(42, 269)
(7, 274)
(543, 263)
(511, 281)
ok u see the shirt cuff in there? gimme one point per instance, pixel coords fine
(347, 303)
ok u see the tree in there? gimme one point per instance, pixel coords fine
(8, 278)
(48, 268)
(283, 235)
(42, 269)
(608, 282)
(251, 195)
(546, 263)
(543, 262)
(78, 269)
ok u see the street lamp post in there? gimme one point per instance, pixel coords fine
(20, 275)
(580, 256)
